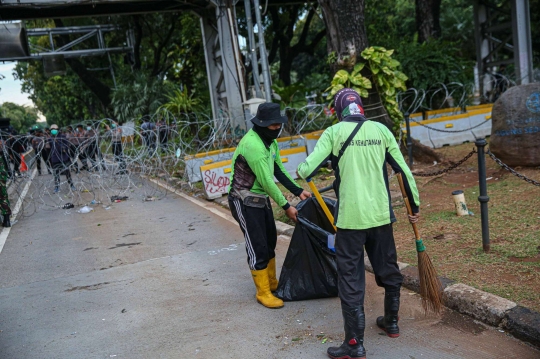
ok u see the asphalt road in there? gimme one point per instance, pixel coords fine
(169, 279)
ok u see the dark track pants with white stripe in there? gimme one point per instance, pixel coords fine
(259, 230)
(381, 250)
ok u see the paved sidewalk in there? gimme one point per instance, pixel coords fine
(168, 279)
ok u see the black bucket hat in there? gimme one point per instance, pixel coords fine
(267, 114)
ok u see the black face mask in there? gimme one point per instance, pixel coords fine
(266, 134)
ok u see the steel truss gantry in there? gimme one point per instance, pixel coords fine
(503, 37)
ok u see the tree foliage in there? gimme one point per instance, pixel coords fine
(167, 54)
(22, 117)
(385, 78)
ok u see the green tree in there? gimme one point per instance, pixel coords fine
(22, 117)
(166, 47)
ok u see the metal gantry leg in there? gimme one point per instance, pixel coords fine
(521, 26)
(223, 66)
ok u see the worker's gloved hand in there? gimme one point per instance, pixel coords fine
(414, 217)
(291, 212)
(305, 194)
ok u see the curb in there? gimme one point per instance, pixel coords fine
(488, 308)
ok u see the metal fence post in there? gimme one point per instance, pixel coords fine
(483, 198)
(409, 139)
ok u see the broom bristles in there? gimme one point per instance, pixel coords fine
(431, 289)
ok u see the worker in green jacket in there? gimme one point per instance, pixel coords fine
(359, 150)
(255, 163)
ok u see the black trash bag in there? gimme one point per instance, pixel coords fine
(309, 270)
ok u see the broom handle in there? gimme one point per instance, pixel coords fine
(321, 202)
(407, 204)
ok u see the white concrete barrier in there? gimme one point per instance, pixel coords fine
(418, 132)
(194, 162)
(291, 158)
(311, 140)
(291, 142)
(216, 176)
(450, 123)
(478, 116)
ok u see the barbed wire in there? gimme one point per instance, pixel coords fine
(448, 169)
(511, 170)
(103, 167)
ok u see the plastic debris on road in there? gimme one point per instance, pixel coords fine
(85, 209)
(68, 206)
(117, 199)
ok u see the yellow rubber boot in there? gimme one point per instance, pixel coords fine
(272, 274)
(264, 295)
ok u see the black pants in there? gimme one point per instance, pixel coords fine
(83, 157)
(119, 154)
(259, 230)
(381, 251)
(16, 159)
(61, 169)
(46, 154)
(94, 154)
(38, 161)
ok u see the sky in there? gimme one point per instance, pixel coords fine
(10, 89)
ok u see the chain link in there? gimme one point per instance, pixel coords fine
(511, 170)
(449, 131)
(448, 169)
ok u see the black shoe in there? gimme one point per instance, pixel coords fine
(389, 323)
(353, 346)
(6, 223)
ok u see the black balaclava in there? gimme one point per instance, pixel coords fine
(266, 134)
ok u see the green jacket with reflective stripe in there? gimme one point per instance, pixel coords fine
(361, 177)
(254, 166)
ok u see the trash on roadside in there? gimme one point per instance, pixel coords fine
(309, 270)
(68, 206)
(85, 209)
(118, 198)
(150, 198)
(107, 208)
(95, 202)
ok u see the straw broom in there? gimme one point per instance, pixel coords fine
(430, 285)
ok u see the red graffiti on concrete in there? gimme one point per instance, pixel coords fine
(215, 184)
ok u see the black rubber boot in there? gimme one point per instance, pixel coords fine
(6, 223)
(353, 346)
(389, 323)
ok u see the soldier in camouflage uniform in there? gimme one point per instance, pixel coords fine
(4, 200)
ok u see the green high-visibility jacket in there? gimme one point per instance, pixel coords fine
(254, 166)
(361, 177)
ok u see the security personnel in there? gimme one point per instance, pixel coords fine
(359, 150)
(5, 208)
(255, 163)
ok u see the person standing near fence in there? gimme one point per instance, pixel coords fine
(255, 163)
(60, 157)
(359, 150)
(5, 208)
(38, 143)
(46, 153)
(15, 149)
(115, 132)
(163, 131)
